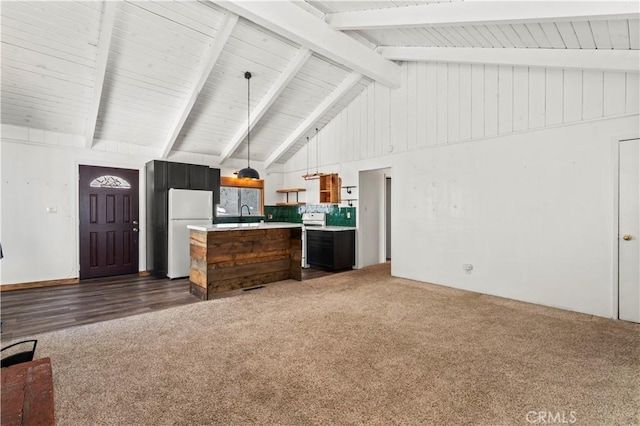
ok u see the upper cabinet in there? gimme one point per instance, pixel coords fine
(199, 177)
(214, 181)
(330, 188)
(189, 176)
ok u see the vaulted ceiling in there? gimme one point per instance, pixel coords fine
(169, 75)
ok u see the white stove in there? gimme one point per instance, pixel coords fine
(310, 220)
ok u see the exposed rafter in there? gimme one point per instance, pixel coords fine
(270, 97)
(104, 41)
(337, 94)
(594, 59)
(483, 12)
(212, 56)
(292, 22)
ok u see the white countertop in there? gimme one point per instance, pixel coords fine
(331, 228)
(243, 226)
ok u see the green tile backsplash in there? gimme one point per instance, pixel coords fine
(336, 215)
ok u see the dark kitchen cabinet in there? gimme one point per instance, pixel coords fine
(156, 213)
(214, 179)
(199, 177)
(331, 250)
(188, 176)
(160, 177)
(178, 175)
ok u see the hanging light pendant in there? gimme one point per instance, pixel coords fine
(248, 172)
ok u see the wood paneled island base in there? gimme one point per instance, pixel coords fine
(230, 259)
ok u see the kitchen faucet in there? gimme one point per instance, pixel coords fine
(248, 210)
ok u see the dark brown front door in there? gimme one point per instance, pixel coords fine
(108, 221)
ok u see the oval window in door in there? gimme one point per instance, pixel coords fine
(109, 181)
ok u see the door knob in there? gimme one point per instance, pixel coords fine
(135, 229)
(626, 237)
(135, 222)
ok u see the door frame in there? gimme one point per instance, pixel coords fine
(388, 194)
(374, 199)
(615, 178)
(142, 208)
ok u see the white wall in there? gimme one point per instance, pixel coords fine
(533, 214)
(508, 168)
(39, 170)
(40, 246)
(441, 103)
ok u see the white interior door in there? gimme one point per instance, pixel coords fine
(629, 232)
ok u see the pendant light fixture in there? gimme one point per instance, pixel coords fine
(248, 172)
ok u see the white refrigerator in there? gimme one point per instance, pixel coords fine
(186, 207)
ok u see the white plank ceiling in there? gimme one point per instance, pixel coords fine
(169, 75)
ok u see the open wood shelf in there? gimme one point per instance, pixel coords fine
(286, 191)
(310, 176)
(290, 191)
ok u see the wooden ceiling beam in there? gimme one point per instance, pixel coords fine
(482, 13)
(328, 103)
(591, 59)
(299, 59)
(294, 23)
(210, 60)
(102, 57)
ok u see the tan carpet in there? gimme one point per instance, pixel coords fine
(353, 348)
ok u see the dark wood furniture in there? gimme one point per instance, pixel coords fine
(27, 394)
(233, 259)
(331, 250)
(160, 177)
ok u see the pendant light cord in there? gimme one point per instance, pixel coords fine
(307, 155)
(317, 156)
(247, 75)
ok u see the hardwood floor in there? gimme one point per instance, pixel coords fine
(31, 311)
(38, 310)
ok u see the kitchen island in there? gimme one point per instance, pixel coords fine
(230, 256)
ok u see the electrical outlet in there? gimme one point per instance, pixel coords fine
(348, 215)
(270, 216)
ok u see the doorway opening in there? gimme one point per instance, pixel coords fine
(374, 218)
